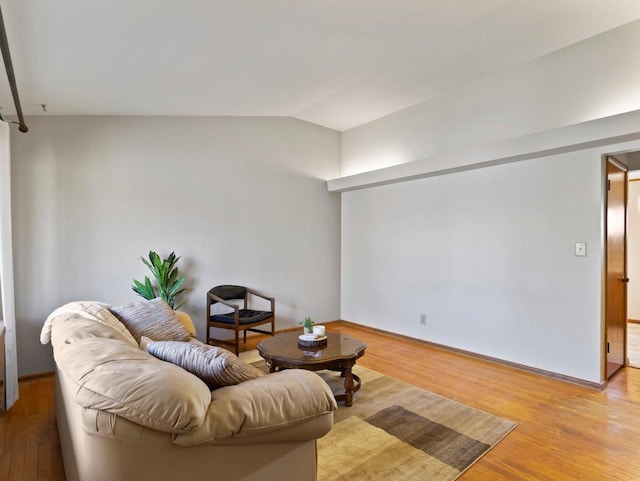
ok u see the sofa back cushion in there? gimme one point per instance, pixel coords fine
(153, 319)
(90, 319)
(187, 322)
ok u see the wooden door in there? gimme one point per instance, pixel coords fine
(616, 286)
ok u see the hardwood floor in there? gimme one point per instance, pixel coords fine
(565, 431)
(29, 447)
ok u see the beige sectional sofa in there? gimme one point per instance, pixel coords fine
(125, 415)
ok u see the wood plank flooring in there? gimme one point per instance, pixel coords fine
(29, 446)
(565, 431)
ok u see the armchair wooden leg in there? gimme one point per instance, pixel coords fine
(245, 336)
(237, 343)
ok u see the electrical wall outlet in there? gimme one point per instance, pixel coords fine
(423, 319)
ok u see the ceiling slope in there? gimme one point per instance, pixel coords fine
(336, 63)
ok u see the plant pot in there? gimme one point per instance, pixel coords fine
(308, 330)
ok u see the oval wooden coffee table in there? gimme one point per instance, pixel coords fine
(339, 354)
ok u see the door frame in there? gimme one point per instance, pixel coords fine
(603, 312)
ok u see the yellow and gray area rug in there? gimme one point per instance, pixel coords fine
(398, 432)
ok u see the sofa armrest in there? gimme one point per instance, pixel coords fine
(111, 375)
(266, 405)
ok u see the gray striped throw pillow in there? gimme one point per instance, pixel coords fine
(216, 366)
(153, 319)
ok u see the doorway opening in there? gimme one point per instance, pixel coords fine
(633, 269)
(616, 265)
(632, 159)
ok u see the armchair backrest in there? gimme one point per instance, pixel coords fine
(227, 292)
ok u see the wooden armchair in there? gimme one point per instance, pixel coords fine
(240, 319)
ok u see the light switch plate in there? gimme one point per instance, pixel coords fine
(581, 249)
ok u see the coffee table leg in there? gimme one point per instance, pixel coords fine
(272, 366)
(348, 387)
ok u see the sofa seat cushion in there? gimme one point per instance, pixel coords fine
(153, 319)
(261, 406)
(216, 366)
(120, 378)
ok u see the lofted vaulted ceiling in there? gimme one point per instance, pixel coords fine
(337, 63)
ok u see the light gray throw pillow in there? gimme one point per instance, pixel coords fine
(216, 366)
(153, 319)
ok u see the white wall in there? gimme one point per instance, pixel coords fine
(488, 256)
(242, 200)
(633, 251)
(596, 78)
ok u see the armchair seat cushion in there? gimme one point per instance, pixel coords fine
(247, 316)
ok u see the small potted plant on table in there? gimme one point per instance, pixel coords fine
(308, 325)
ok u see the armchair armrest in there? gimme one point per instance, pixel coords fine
(213, 297)
(272, 300)
(256, 293)
(255, 408)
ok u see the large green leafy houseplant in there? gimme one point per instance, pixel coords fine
(168, 280)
